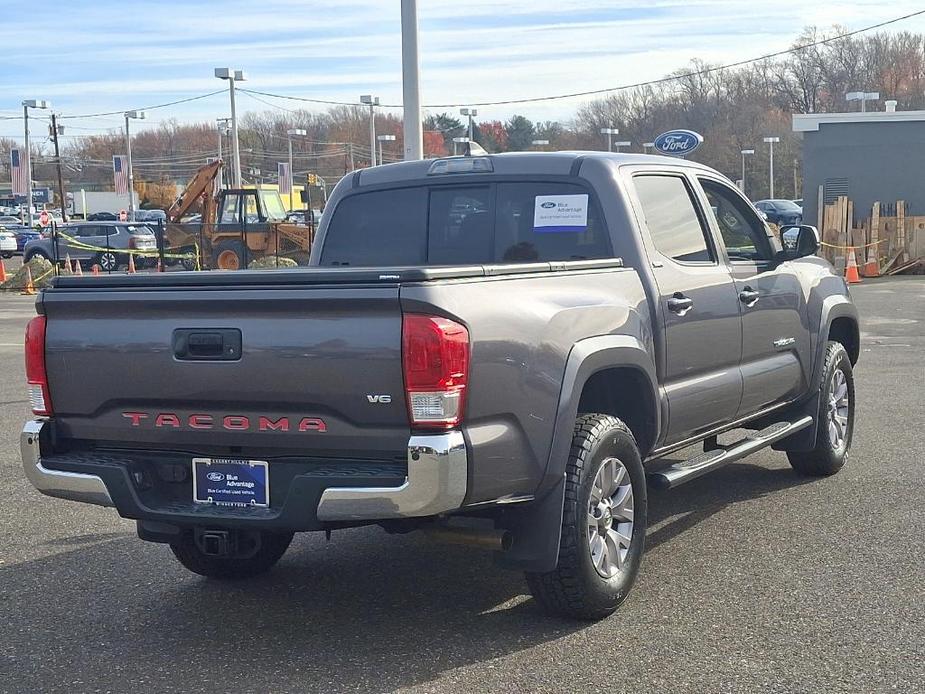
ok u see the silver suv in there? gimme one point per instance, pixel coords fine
(101, 243)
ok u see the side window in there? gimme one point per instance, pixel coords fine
(109, 231)
(744, 233)
(229, 213)
(251, 211)
(88, 230)
(672, 219)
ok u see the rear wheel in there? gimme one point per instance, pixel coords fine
(230, 554)
(603, 523)
(228, 255)
(107, 260)
(36, 254)
(834, 420)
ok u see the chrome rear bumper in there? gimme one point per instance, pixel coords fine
(436, 481)
(89, 489)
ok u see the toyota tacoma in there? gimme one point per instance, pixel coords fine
(498, 350)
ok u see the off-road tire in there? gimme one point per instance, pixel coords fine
(272, 547)
(825, 458)
(228, 255)
(574, 588)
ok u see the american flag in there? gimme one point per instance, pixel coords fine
(120, 174)
(18, 173)
(282, 169)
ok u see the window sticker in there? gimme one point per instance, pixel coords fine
(557, 213)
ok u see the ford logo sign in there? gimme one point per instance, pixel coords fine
(678, 143)
(215, 476)
(548, 205)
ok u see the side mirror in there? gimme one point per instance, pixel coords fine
(799, 241)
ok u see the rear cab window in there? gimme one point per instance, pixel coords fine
(472, 223)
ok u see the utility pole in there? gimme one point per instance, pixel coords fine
(411, 81)
(471, 113)
(295, 132)
(55, 131)
(745, 152)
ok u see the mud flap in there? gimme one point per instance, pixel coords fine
(805, 439)
(537, 530)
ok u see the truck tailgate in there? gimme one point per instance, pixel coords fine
(314, 366)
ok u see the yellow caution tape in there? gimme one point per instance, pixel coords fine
(71, 241)
(866, 245)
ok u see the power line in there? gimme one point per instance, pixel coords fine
(147, 108)
(622, 87)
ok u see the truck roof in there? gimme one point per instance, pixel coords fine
(516, 163)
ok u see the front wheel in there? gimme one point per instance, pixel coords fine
(7, 254)
(834, 420)
(246, 554)
(603, 523)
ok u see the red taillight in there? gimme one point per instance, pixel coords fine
(435, 361)
(36, 377)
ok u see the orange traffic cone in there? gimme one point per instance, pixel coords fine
(160, 266)
(872, 266)
(29, 289)
(131, 264)
(68, 267)
(77, 269)
(2, 272)
(96, 269)
(851, 271)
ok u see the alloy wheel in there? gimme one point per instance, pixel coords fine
(610, 518)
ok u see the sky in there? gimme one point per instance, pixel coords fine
(91, 56)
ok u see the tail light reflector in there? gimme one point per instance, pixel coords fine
(435, 362)
(36, 376)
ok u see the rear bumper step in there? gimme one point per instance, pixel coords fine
(434, 482)
(692, 468)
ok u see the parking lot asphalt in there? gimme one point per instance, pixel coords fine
(754, 579)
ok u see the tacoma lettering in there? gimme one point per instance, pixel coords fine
(230, 422)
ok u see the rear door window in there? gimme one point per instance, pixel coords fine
(472, 224)
(672, 219)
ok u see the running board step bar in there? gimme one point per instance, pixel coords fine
(692, 468)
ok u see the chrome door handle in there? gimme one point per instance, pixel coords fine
(680, 304)
(749, 297)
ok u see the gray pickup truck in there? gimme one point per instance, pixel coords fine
(496, 350)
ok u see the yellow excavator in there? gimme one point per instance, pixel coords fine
(237, 225)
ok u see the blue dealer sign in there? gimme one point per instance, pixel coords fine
(678, 143)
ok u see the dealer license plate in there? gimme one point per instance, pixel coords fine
(231, 482)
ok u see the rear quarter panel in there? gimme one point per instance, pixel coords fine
(522, 329)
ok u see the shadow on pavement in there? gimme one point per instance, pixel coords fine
(365, 612)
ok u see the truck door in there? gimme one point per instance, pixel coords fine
(775, 340)
(698, 305)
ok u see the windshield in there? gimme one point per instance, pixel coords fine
(272, 205)
(786, 205)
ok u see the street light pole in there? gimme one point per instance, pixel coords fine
(471, 113)
(128, 156)
(771, 141)
(372, 102)
(610, 132)
(744, 152)
(411, 81)
(26, 105)
(289, 134)
(226, 73)
(381, 139)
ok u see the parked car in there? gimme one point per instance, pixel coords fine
(103, 217)
(9, 219)
(495, 350)
(781, 212)
(23, 236)
(7, 243)
(107, 242)
(150, 216)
